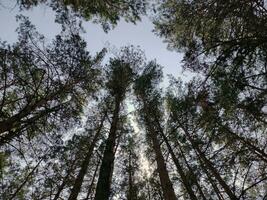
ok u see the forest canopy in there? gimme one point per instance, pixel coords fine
(74, 125)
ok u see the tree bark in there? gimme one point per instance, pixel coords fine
(15, 121)
(60, 188)
(26, 179)
(166, 184)
(65, 180)
(79, 179)
(106, 168)
(131, 193)
(168, 191)
(177, 164)
(254, 148)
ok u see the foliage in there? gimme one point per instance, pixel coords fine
(105, 12)
(71, 128)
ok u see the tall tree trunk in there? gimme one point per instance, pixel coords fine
(212, 182)
(79, 179)
(106, 168)
(185, 182)
(131, 192)
(247, 143)
(217, 191)
(61, 187)
(166, 184)
(149, 192)
(167, 188)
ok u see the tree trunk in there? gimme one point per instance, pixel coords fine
(168, 191)
(93, 180)
(106, 168)
(177, 164)
(192, 172)
(26, 179)
(64, 182)
(254, 148)
(18, 126)
(79, 179)
(209, 165)
(131, 193)
(60, 188)
(216, 189)
(15, 121)
(167, 188)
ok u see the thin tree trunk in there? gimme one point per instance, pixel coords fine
(106, 168)
(192, 172)
(62, 185)
(130, 178)
(216, 189)
(79, 179)
(60, 188)
(93, 180)
(132, 192)
(209, 165)
(255, 149)
(15, 120)
(26, 180)
(5, 138)
(148, 190)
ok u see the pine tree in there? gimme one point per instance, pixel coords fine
(149, 102)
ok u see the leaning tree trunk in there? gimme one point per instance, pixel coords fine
(212, 182)
(66, 179)
(16, 121)
(79, 179)
(90, 189)
(209, 165)
(26, 180)
(247, 143)
(216, 189)
(177, 164)
(191, 171)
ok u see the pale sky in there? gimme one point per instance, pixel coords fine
(123, 34)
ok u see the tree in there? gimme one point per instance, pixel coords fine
(149, 98)
(85, 163)
(42, 83)
(215, 151)
(225, 41)
(128, 165)
(121, 73)
(106, 12)
(65, 127)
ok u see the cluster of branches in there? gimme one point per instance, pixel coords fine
(73, 128)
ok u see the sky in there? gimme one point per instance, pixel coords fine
(123, 34)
